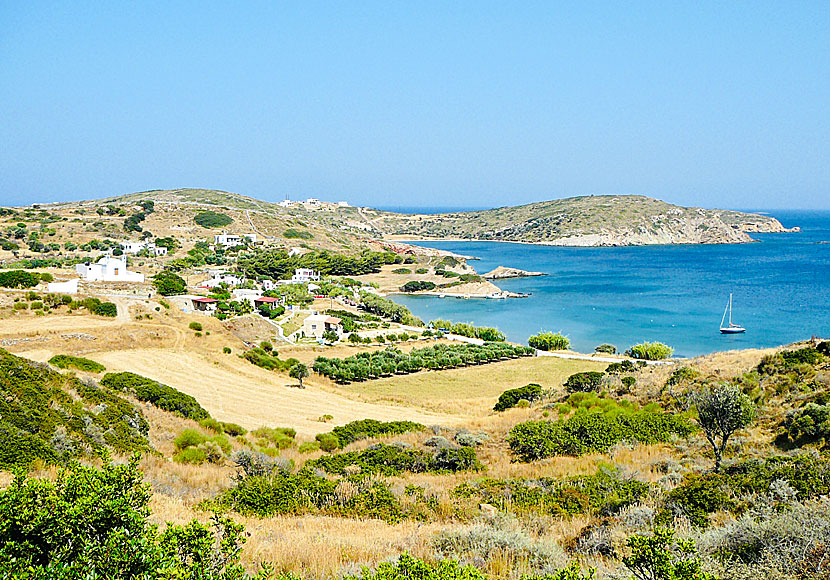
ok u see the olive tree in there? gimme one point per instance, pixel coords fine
(299, 371)
(722, 409)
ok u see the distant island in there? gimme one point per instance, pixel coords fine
(600, 220)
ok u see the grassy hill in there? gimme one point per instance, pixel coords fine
(603, 220)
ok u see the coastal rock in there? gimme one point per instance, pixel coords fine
(505, 272)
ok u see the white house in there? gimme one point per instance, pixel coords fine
(240, 294)
(231, 240)
(157, 250)
(316, 324)
(286, 203)
(108, 269)
(302, 275)
(223, 278)
(269, 285)
(343, 204)
(312, 203)
(133, 247)
(68, 287)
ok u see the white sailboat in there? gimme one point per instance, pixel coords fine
(731, 328)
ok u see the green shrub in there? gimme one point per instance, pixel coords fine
(195, 326)
(21, 306)
(158, 394)
(19, 279)
(189, 438)
(328, 441)
(417, 286)
(394, 459)
(621, 367)
(510, 398)
(806, 425)
(549, 341)
(212, 219)
(485, 333)
(697, 498)
(233, 429)
(365, 428)
(279, 437)
(65, 361)
(421, 271)
(593, 432)
(402, 271)
(606, 349)
(584, 382)
(94, 523)
(195, 454)
(659, 556)
(294, 233)
(650, 351)
(682, 375)
(226, 350)
(308, 446)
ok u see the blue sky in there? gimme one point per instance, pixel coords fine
(718, 104)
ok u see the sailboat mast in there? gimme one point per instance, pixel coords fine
(730, 309)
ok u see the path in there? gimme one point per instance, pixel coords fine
(576, 356)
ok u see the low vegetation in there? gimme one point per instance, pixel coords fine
(650, 351)
(366, 428)
(212, 219)
(156, 393)
(549, 341)
(485, 333)
(65, 361)
(511, 397)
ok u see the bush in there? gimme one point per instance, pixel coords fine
(189, 438)
(650, 351)
(510, 398)
(394, 459)
(606, 349)
(417, 286)
(402, 271)
(549, 341)
(485, 333)
(806, 425)
(366, 428)
(195, 326)
(212, 219)
(584, 382)
(619, 368)
(593, 432)
(93, 523)
(158, 394)
(226, 350)
(65, 361)
(682, 375)
(19, 279)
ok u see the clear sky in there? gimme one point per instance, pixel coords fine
(718, 104)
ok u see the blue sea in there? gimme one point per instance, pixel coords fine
(673, 294)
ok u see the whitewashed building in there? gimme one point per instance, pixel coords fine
(231, 240)
(133, 247)
(317, 324)
(303, 275)
(108, 269)
(223, 278)
(68, 287)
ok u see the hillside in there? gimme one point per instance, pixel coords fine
(605, 220)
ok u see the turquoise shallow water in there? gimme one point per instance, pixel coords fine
(674, 294)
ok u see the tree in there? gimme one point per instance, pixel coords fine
(299, 371)
(168, 283)
(722, 410)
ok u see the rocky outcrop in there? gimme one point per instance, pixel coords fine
(502, 272)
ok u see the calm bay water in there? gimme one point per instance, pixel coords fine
(674, 294)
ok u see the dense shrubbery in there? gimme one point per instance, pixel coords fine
(370, 365)
(212, 219)
(418, 286)
(169, 283)
(593, 432)
(682, 375)
(511, 397)
(650, 351)
(485, 333)
(65, 361)
(549, 341)
(387, 309)
(701, 495)
(268, 360)
(393, 459)
(605, 492)
(606, 349)
(621, 367)
(95, 306)
(158, 394)
(584, 382)
(19, 279)
(365, 428)
(93, 523)
(806, 425)
(40, 419)
(278, 265)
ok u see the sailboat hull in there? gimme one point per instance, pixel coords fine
(737, 330)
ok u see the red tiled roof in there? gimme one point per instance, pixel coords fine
(266, 299)
(205, 300)
(332, 320)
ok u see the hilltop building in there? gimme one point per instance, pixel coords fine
(318, 324)
(231, 240)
